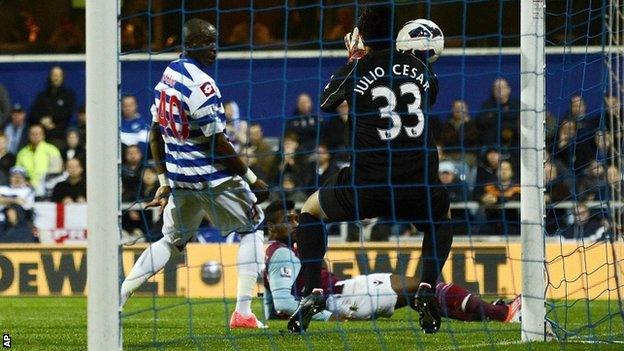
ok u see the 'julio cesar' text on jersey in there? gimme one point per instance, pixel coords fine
(389, 94)
(188, 107)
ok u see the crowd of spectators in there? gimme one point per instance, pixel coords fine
(480, 163)
(42, 156)
(59, 26)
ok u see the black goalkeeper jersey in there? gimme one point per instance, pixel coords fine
(389, 94)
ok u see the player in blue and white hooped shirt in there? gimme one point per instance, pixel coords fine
(199, 172)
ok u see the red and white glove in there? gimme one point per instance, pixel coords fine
(355, 45)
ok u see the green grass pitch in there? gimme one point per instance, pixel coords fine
(59, 323)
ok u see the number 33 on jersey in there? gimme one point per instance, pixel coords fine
(388, 97)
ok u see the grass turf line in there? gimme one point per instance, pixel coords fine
(59, 323)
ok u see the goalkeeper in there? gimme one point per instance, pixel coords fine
(394, 162)
(364, 296)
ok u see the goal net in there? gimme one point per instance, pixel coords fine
(495, 97)
(583, 229)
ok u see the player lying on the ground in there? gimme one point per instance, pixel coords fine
(394, 161)
(364, 296)
(199, 172)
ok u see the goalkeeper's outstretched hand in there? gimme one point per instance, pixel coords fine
(355, 45)
(161, 198)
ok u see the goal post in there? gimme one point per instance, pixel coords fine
(103, 329)
(531, 168)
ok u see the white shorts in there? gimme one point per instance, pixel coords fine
(364, 297)
(230, 207)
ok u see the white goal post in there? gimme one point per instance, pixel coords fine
(532, 169)
(102, 73)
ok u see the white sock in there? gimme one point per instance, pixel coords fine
(250, 263)
(152, 260)
(465, 302)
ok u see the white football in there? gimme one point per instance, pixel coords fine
(421, 35)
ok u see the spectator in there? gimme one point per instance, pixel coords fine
(612, 114)
(614, 178)
(499, 113)
(17, 227)
(11, 37)
(133, 129)
(571, 151)
(291, 190)
(39, 158)
(54, 107)
(602, 146)
(150, 184)
(137, 225)
(292, 163)
(303, 23)
(132, 226)
(323, 168)
(7, 160)
(459, 136)
(593, 185)
(5, 105)
(336, 131)
(73, 147)
(502, 220)
(74, 188)
(458, 193)
(260, 155)
(133, 34)
(15, 130)
(457, 189)
(342, 24)
(499, 121)
(550, 128)
(131, 171)
(304, 123)
(67, 37)
(557, 190)
(235, 128)
(240, 34)
(81, 124)
(505, 189)
(612, 108)
(17, 193)
(487, 171)
(31, 27)
(561, 168)
(586, 227)
(585, 124)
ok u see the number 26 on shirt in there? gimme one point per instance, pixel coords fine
(166, 117)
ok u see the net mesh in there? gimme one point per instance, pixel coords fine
(276, 57)
(585, 265)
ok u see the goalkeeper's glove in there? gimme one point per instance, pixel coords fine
(354, 44)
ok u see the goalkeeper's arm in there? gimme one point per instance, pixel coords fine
(338, 89)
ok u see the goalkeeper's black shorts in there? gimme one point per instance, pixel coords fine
(423, 206)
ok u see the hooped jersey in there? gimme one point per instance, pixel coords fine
(189, 109)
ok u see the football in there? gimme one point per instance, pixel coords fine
(423, 37)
